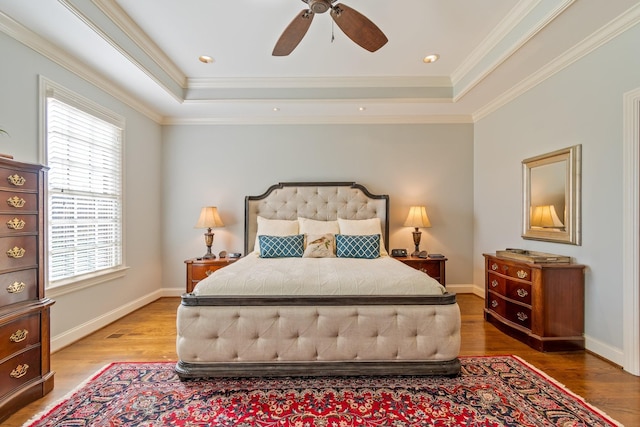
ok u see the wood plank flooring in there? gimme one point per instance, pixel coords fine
(149, 335)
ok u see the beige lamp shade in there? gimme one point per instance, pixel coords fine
(545, 217)
(209, 218)
(417, 217)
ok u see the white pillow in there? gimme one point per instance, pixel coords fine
(312, 226)
(275, 227)
(363, 227)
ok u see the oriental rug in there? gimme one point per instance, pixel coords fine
(491, 391)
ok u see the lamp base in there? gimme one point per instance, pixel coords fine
(209, 255)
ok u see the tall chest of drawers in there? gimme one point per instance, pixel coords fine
(540, 304)
(25, 373)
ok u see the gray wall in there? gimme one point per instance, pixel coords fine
(413, 164)
(580, 105)
(95, 306)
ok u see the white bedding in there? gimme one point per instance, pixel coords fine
(253, 275)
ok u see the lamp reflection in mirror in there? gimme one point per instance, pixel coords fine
(545, 217)
(417, 218)
(209, 219)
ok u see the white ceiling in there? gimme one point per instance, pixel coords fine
(146, 52)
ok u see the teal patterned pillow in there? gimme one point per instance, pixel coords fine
(367, 246)
(281, 246)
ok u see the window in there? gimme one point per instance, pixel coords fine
(83, 149)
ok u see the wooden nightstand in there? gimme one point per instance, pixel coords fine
(434, 267)
(198, 269)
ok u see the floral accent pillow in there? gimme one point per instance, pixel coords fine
(320, 246)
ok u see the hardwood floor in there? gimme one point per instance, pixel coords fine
(149, 335)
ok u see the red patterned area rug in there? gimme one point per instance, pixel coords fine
(491, 391)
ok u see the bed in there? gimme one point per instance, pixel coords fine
(317, 294)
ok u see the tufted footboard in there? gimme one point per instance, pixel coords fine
(392, 335)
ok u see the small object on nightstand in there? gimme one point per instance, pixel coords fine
(234, 255)
(436, 256)
(398, 252)
(422, 254)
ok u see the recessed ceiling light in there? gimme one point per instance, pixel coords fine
(276, 109)
(206, 59)
(431, 58)
(362, 108)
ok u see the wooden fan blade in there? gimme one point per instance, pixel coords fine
(293, 34)
(358, 27)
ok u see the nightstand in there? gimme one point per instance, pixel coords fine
(434, 267)
(198, 269)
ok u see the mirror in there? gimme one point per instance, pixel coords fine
(551, 196)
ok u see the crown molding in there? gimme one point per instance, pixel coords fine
(318, 82)
(606, 33)
(482, 71)
(119, 17)
(65, 60)
(322, 120)
(508, 24)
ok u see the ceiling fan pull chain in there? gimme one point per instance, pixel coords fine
(333, 36)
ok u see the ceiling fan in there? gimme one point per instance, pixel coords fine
(354, 24)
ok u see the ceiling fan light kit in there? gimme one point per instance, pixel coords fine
(356, 26)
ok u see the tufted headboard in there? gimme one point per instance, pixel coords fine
(322, 201)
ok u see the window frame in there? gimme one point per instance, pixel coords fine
(71, 284)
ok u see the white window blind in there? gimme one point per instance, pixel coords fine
(85, 191)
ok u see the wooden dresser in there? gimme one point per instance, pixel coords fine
(25, 373)
(540, 304)
(198, 269)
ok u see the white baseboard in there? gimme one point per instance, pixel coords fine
(72, 335)
(466, 289)
(615, 355)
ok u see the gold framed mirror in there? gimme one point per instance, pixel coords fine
(552, 196)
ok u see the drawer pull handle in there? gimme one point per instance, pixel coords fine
(494, 283)
(16, 252)
(16, 287)
(20, 371)
(16, 180)
(521, 316)
(424, 270)
(494, 266)
(522, 293)
(494, 303)
(16, 224)
(19, 335)
(209, 272)
(16, 202)
(522, 274)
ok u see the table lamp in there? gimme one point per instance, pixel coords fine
(209, 219)
(417, 218)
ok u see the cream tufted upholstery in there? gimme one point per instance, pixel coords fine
(324, 333)
(323, 202)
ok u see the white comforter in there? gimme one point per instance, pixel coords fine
(253, 275)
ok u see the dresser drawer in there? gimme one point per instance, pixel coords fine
(518, 314)
(18, 287)
(16, 179)
(497, 304)
(19, 334)
(519, 291)
(497, 284)
(18, 223)
(16, 252)
(515, 271)
(19, 370)
(13, 202)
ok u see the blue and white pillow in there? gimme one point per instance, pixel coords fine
(366, 246)
(281, 246)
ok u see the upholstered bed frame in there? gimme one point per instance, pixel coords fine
(425, 342)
